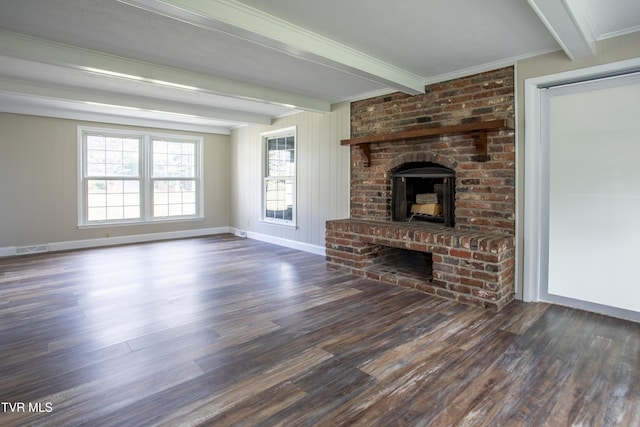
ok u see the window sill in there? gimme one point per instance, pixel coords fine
(282, 224)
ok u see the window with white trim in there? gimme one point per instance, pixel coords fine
(174, 178)
(279, 189)
(129, 177)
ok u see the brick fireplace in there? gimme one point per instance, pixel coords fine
(470, 258)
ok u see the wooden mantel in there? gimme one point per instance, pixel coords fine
(478, 131)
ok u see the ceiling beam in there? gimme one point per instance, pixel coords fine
(37, 50)
(72, 110)
(120, 101)
(568, 24)
(256, 26)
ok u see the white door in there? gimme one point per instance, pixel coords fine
(590, 195)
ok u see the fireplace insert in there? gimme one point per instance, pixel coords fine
(423, 192)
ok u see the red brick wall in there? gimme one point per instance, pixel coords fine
(469, 267)
(485, 191)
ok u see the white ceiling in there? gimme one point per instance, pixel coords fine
(215, 65)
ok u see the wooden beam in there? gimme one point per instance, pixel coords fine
(366, 149)
(478, 131)
(422, 133)
(480, 139)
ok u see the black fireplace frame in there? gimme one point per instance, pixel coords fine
(404, 179)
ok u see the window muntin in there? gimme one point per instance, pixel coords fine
(279, 177)
(111, 199)
(279, 199)
(281, 156)
(133, 178)
(113, 156)
(174, 158)
(173, 176)
(112, 177)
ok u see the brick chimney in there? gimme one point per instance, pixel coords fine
(473, 261)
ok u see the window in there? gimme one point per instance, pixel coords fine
(173, 176)
(133, 178)
(279, 176)
(112, 177)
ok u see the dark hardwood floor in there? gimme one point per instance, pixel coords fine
(228, 331)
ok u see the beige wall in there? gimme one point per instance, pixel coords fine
(323, 175)
(607, 51)
(38, 174)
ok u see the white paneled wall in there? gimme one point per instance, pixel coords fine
(323, 175)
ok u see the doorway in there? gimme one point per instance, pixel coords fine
(583, 196)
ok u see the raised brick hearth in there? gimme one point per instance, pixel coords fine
(474, 268)
(471, 262)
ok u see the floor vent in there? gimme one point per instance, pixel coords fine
(26, 250)
(241, 233)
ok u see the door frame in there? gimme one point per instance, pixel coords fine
(535, 209)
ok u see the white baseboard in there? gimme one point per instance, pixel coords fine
(123, 240)
(293, 244)
(139, 238)
(7, 251)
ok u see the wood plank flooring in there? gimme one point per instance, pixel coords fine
(233, 332)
